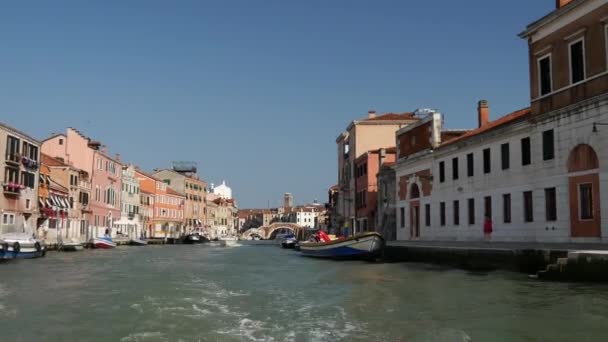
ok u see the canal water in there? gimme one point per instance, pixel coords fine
(264, 293)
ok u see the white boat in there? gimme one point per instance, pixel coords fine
(72, 246)
(138, 242)
(21, 246)
(366, 245)
(229, 241)
(103, 243)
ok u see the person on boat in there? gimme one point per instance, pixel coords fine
(107, 234)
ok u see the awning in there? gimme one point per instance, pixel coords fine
(41, 202)
(65, 202)
(49, 203)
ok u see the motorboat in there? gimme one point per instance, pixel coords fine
(138, 242)
(289, 243)
(363, 246)
(21, 246)
(194, 238)
(103, 242)
(229, 241)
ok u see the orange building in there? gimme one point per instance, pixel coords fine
(54, 206)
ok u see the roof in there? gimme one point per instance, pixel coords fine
(507, 119)
(172, 192)
(393, 117)
(18, 132)
(50, 161)
(146, 192)
(549, 17)
(53, 136)
(138, 170)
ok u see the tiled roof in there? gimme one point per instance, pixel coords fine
(507, 119)
(392, 117)
(50, 161)
(147, 174)
(172, 192)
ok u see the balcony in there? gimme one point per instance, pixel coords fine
(29, 163)
(13, 189)
(13, 158)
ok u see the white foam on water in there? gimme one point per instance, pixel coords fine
(138, 308)
(251, 330)
(143, 336)
(199, 310)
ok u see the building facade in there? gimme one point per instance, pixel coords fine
(130, 203)
(20, 171)
(366, 187)
(386, 217)
(371, 133)
(195, 190)
(536, 174)
(54, 205)
(79, 191)
(90, 156)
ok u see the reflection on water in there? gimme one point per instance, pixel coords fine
(264, 293)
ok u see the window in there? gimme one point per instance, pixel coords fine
(455, 168)
(12, 146)
(487, 201)
(471, 211)
(505, 156)
(548, 145)
(28, 204)
(528, 208)
(487, 162)
(402, 217)
(577, 61)
(427, 215)
(11, 175)
(28, 179)
(30, 151)
(8, 219)
(506, 208)
(470, 165)
(60, 141)
(456, 213)
(550, 204)
(441, 172)
(526, 156)
(585, 194)
(71, 202)
(442, 213)
(544, 75)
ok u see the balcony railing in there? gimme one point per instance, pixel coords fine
(12, 188)
(13, 158)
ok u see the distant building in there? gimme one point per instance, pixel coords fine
(371, 133)
(223, 190)
(54, 204)
(130, 202)
(287, 200)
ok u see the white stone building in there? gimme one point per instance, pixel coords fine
(130, 202)
(537, 173)
(223, 190)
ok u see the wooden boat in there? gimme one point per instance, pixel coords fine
(138, 242)
(365, 245)
(21, 246)
(103, 243)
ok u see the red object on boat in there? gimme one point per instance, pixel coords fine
(323, 236)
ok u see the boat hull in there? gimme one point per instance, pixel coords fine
(72, 247)
(103, 244)
(18, 248)
(138, 242)
(362, 246)
(194, 239)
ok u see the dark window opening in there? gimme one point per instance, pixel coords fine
(506, 208)
(577, 62)
(487, 162)
(456, 213)
(455, 168)
(470, 165)
(441, 172)
(505, 156)
(528, 208)
(427, 215)
(586, 201)
(442, 213)
(526, 155)
(550, 204)
(548, 145)
(544, 66)
(487, 207)
(471, 211)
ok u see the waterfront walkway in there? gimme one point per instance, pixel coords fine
(483, 245)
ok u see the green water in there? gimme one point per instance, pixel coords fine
(264, 293)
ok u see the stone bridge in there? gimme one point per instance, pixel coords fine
(270, 232)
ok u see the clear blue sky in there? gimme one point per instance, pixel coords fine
(260, 88)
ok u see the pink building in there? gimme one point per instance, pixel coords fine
(83, 153)
(367, 167)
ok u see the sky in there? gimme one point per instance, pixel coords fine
(254, 91)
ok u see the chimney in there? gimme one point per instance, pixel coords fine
(371, 114)
(561, 3)
(483, 113)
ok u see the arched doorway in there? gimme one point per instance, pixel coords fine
(414, 211)
(584, 192)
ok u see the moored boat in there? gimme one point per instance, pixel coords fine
(138, 242)
(21, 246)
(71, 246)
(289, 243)
(103, 243)
(365, 245)
(194, 238)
